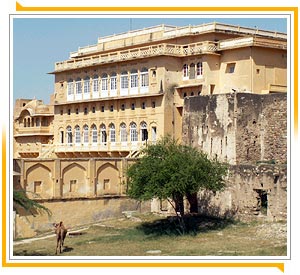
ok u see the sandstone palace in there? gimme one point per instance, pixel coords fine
(220, 88)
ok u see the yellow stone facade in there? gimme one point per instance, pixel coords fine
(127, 91)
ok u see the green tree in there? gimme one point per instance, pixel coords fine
(20, 200)
(171, 171)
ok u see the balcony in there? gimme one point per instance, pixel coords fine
(32, 131)
(102, 149)
(137, 53)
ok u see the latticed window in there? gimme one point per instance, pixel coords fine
(123, 132)
(112, 133)
(70, 87)
(113, 81)
(134, 79)
(95, 84)
(124, 80)
(133, 132)
(94, 134)
(77, 135)
(85, 134)
(144, 77)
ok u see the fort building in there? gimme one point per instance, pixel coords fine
(115, 97)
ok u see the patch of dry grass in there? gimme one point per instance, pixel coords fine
(149, 235)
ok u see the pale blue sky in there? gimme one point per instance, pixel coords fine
(40, 42)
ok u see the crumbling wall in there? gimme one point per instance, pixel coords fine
(239, 128)
(261, 132)
(251, 191)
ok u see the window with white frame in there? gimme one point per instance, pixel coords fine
(144, 78)
(94, 134)
(104, 80)
(199, 69)
(77, 135)
(69, 135)
(185, 71)
(133, 132)
(70, 87)
(103, 136)
(113, 81)
(86, 86)
(95, 84)
(78, 86)
(112, 133)
(85, 134)
(134, 78)
(124, 80)
(123, 132)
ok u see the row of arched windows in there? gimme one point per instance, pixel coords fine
(103, 134)
(193, 70)
(109, 82)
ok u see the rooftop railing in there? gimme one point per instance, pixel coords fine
(141, 52)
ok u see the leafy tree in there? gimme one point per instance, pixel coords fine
(21, 200)
(171, 171)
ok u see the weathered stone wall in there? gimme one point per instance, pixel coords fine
(251, 191)
(74, 212)
(261, 128)
(239, 128)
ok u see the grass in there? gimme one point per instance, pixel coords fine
(150, 235)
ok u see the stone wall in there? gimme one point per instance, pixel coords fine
(251, 192)
(74, 212)
(240, 128)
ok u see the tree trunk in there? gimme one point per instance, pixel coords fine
(193, 201)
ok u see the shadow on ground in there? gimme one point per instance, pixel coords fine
(190, 225)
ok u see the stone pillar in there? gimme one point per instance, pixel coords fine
(58, 181)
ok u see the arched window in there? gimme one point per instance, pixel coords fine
(133, 132)
(24, 122)
(124, 80)
(104, 80)
(95, 84)
(86, 86)
(123, 132)
(192, 71)
(103, 136)
(144, 77)
(113, 81)
(78, 86)
(70, 87)
(144, 131)
(185, 70)
(134, 78)
(69, 135)
(199, 69)
(112, 132)
(94, 134)
(85, 134)
(77, 135)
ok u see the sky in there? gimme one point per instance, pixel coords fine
(38, 42)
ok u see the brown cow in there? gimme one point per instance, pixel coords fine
(61, 233)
